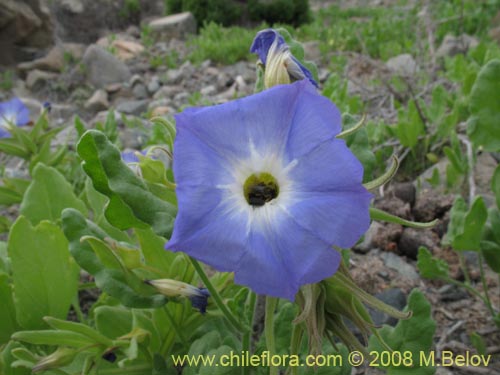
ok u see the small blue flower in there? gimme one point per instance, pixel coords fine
(265, 189)
(12, 113)
(280, 65)
(174, 288)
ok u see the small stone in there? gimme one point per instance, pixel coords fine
(126, 49)
(392, 297)
(174, 26)
(397, 263)
(103, 68)
(412, 239)
(161, 111)
(393, 205)
(154, 85)
(133, 107)
(167, 92)
(431, 205)
(38, 79)
(367, 243)
(139, 91)
(404, 65)
(454, 45)
(98, 101)
(405, 191)
(173, 76)
(208, 90)
(312, 51)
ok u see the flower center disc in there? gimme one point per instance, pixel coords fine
(260, 189)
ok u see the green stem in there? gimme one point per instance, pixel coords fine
(78, 310)
(466, 286)
(271, 303)
(247, 336)
(175, 327)
(485, 286)
(217, 298)
(139, 370)
(463, 266)
(295, 341)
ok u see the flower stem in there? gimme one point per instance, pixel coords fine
(485, 286)
(295, 341)
(271, 303)
(247, 337)
(217, 298)
(463, 266)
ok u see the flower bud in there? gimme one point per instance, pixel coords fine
(61, 357)
(174, 288)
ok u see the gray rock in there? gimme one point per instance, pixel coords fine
(392, 297)
(208, 90)
(405, 191)
(73, 6)
(453, 45)
(103, 68)
(173, 76)
(397, 263)
(452, 293)
(132, 138)
(38, 79)
(98, 101)
(133, 107)
(412, 239)
(174, 26)
(139, 90)
(24, 28)
(404, 65)
(153, 85)
(167, 92)
(367, 244)
(483, 172)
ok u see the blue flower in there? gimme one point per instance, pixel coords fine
(280, 65)
(12, 113)
(174, 288)
(265, 189)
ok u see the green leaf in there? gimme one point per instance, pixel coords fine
(131, 204)
(45, 277)
(359, 145)
(82, 329)
(53, 337)
(113, 321)
(478, 343)
(116, 281)
(466, 226)
(410, 125)
(490, 244)
(154, 253)
(429, 267)
(414, 335)
(9, 196)
(485, 110)
(48, 194)
(8, 322)
(7, 359)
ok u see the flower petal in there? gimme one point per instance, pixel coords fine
(207, 229)
(330, 166)
(283, 257)
(263, 41)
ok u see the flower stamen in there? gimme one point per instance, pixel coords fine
(260, 189)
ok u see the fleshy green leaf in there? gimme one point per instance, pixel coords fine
(359, 145)
(485, 110)
(490, 244)
(48, 194)
(131, 204)
(429, 267)
(414, 335)
(410, 125)
(45, 277)
(466, 226)
(8, 322)
(109, 272)
(53, 337)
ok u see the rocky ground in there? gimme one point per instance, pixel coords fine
(118, 70)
